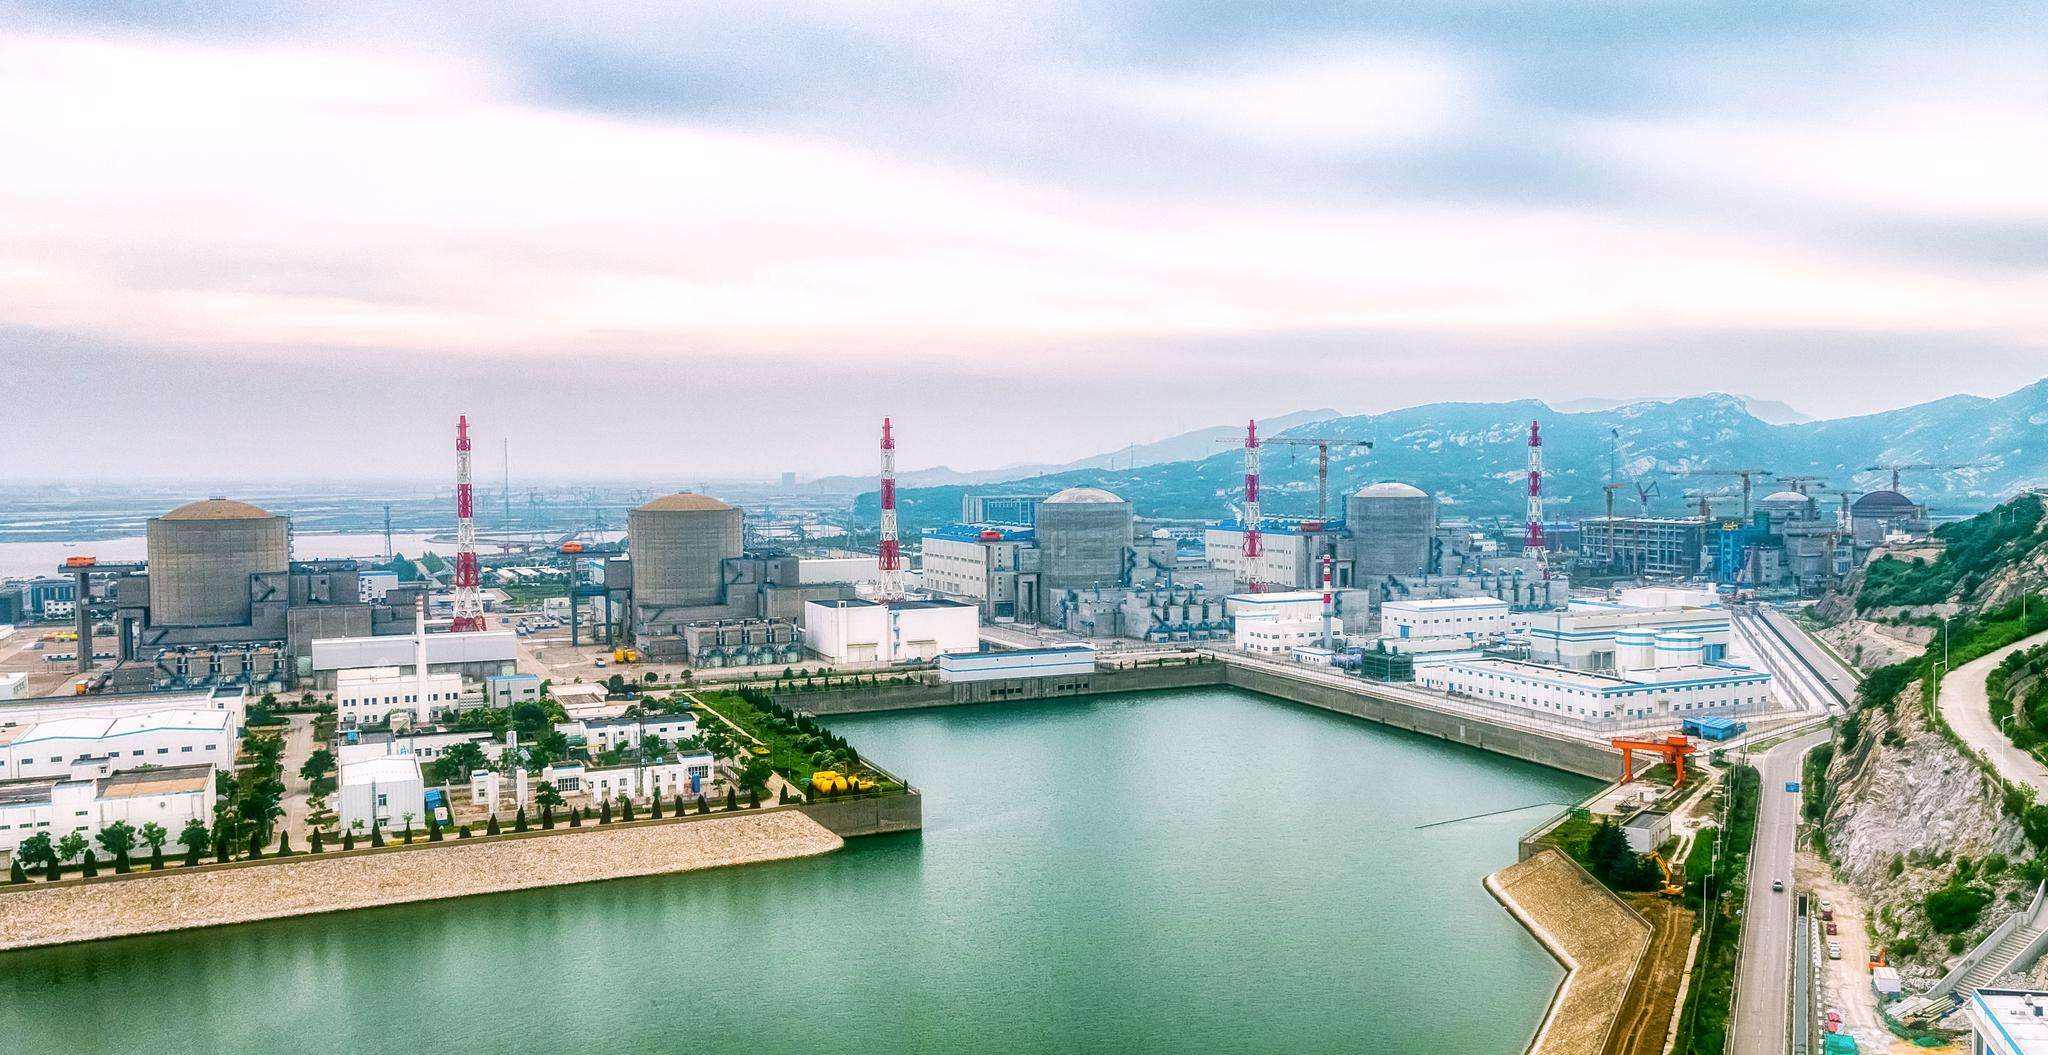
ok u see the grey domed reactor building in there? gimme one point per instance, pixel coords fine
(220, 601)
(694, 591)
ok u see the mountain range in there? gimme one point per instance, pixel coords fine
(1199, 443)
(1473, 456)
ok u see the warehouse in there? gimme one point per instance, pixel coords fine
(170, 797)
(382, 792)
(1468, 617)
(1022, 663)
(371, 695)
(80, 747)
(476, 655)
(854, 630)
(1661, 696)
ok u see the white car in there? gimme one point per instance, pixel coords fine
(1834, 950)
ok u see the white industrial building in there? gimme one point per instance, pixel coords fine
(382, 792)
(1276, 623)
(170, 797)
(1587, 635)
(2008, 1021)
(372, 695)
(232, 700)
(13, 685)
(1470, 618)
(624, 734)
(1022, 663)
(479, 654)
(854, 630)
(1654, 696)
(995, 568)
(82, 747)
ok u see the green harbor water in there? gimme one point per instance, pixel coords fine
(1199, 870)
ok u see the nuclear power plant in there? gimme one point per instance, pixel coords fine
(692, 591)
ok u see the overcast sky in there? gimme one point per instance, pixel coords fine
(690, 239)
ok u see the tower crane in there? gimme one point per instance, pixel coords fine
(1798, 482)
(1896, 468)
(1746, 475)
(1322, 444)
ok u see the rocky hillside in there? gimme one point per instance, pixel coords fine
(1940, 850)
(1910, 815)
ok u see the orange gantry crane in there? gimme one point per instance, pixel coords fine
(1674, 749)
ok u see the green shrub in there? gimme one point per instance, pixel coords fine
(1955, 908)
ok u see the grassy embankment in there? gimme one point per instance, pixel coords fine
(1716, 881)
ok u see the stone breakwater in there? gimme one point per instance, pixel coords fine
(148, 904)
(1599, 940)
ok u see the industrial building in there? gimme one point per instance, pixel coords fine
(1020, 511)
(1645, 546)
(1388, 532)
(1021, 663)
(1084, 537)
(95, 747)
(373, 695)
(1600, 635)
(473, 656)
(854, 630)
(1657, 695)
(230, 700)
(386, 792)
(743, 642)
(170, 797)
(1468, 617)
(220, 600)
(995, 568)
(688, 567)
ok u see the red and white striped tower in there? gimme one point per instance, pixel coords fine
(1251, 504)
(469, 607)
(1532, 543)
(891, 560)
(1329, 607)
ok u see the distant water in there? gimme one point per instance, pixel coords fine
(22, 559)
(1193, 871)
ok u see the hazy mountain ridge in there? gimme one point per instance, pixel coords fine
(1185, 446)
(1473, 456)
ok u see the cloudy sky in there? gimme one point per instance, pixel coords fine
(685, 239)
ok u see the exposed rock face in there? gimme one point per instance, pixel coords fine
(1906, 794)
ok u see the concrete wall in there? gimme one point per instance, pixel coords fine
(848, 818)
(905, 697)
(1572, 755)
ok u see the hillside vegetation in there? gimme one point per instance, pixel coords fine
(1973, 550)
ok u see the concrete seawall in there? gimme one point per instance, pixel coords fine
(1572, 755)
(210, 896)
(907, 697)
(1600, 941)
(1586, 758)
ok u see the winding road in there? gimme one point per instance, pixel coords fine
(1966, 707)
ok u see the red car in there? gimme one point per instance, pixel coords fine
(1831, 927)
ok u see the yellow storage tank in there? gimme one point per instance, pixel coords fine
(827, 781)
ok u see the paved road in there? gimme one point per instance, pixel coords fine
(1967, 709)
(1821, 662)
(1764, 976)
